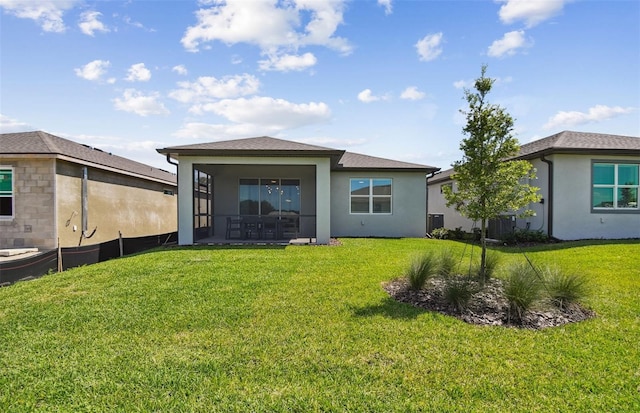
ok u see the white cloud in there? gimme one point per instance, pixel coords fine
(93, 70)
(266, 112)
(429, 47)
(138, 73)
(531, 12)
(138, 150)
(209, 88)
(47, 13)
(89, 23)
(134, 101)
(412, 93)
(136, 24)
(180, 69)
(461, 84)
(270, 25)
(288, 62)
(388, 7)
(508, 45)
(10, 125)
(595, 114)
(214, 132)
(366, 96)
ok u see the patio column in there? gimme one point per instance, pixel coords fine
(185, 202)
(323, 201)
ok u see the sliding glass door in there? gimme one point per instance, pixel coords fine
(269, 196)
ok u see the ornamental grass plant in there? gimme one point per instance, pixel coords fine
(447, 263)
(522, 288)
(421, 268)
(458, 291)
(564, 288)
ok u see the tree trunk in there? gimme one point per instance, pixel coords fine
(483, 244)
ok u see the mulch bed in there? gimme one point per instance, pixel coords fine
(488, 307)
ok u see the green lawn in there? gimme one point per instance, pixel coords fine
(307, 329)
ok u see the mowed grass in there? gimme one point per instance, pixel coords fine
(308, 329)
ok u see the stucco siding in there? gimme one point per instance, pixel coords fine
(115, 204)
(408, 217)
(438, 205)
(538, 221)
(572, 216)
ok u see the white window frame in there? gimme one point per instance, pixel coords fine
(371, 197)
(615, 187)
(12, 194)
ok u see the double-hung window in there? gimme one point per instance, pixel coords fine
(6, 192)
(615, 186)
(370, 196)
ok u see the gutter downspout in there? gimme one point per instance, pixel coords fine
(172, 163)
(549, 196)
(84, 201)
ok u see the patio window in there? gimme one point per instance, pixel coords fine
(615, 186)
(269, 196)
(370, 196)
(6, 192)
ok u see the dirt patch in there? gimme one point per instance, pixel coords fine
(487, 307)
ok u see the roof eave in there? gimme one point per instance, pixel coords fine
(579, 151)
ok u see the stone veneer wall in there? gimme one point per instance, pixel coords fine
(33, 224)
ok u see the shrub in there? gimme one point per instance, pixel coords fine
(458, 292)
(422, 268)
(447, 263)
(440, 233)
(522, 288)
(564, 288)
(457, 233)
(520, 236)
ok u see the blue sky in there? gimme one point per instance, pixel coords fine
(384, 78)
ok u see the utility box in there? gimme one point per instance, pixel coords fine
(434, 221)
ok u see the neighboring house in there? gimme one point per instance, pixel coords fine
(55, 192)
(589, 183)
(239, 188)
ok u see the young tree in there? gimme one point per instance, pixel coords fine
(489, 182)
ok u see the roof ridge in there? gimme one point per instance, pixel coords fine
(48, 140)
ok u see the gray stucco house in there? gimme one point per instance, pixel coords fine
(589, 183)
(265, 187)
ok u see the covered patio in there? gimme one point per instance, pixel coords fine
(246, 202)
(277, 191)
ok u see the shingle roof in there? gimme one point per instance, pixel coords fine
(581, 142)
(262, 143)
(42, 143)
(267, 146)
(357, 161)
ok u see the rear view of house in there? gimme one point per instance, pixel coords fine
(268, 188)
(55, 192)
